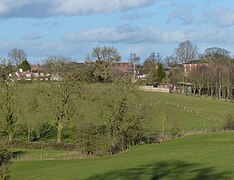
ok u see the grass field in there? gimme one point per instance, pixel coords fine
(207, 156)
(191, 112)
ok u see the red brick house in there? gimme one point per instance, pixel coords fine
(192, 65)
(125, 67)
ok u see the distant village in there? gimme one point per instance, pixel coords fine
(188, 72)
(37, 72)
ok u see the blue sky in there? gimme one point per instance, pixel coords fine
(73, 27)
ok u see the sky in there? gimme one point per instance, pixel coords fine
(72, 28)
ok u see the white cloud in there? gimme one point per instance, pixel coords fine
(128, 34)
(182, 12)
(32, 36)
(46, 8)
(135, 34)
(220, 16)
(138, 15)
(73, 7)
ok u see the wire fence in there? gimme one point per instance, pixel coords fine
(44, 157)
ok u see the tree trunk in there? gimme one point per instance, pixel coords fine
(228, 92)
(10, 136)
(134, 71)
(194, 89)
(59, 132)
(220, 91)
(29, 133)
(199, 90)
(211, 91)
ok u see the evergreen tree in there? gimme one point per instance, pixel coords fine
(25, 65)
(152, 75)
(160, 73)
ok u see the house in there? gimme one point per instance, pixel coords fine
(193, 64)
(36, 68)
(21, 75)
(125, 67)
(177, 66)
(35, 73)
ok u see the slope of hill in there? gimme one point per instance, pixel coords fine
(207, 156)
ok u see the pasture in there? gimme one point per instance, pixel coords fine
(208, 156)
(204, 156)
(192, 113)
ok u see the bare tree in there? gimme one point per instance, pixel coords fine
(105, 54)
(198, 77)
(186, 51)
(217, 55)
(170, 61)
(17, 56)
(214, 51)
(152, 60)
(104, 59)
(134, 59)
(57, 65)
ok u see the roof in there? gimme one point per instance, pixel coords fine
(177, 66)
(195, 61)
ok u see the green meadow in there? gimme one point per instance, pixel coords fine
(191, 113)
(202, 156)
(206, 156)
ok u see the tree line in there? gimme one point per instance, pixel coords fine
(214, 77)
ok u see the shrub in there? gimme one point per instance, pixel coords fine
(4, 164)
(91, 139)
(86, 135)
(46, 131)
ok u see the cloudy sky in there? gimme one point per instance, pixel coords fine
(73, 27)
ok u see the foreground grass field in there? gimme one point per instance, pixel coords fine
(207, 156)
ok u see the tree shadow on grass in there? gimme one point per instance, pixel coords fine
(178, 170)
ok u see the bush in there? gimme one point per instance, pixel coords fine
(4, 164)
(229, 121)
(46, 131)
(92, 139)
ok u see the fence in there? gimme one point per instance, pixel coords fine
(154, 89)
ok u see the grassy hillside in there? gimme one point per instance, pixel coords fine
(192, 113)
(207, 156)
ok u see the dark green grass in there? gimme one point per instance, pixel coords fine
(207, 156)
